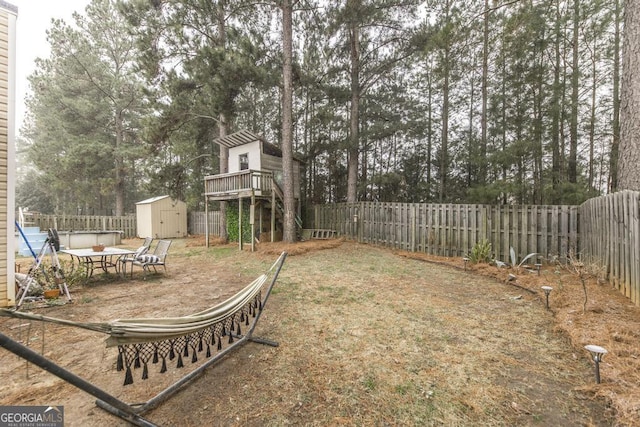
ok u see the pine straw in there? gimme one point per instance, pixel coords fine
(602, 317)
(299, 248)
(272, 248)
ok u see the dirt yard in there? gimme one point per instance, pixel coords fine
(368, 336)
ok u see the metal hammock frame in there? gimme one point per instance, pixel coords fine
(142, 340)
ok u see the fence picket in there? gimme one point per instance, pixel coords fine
(453, 230)
(126, 224)
(635, 246)
(604, 230)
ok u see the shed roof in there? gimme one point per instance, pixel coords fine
(151, 200)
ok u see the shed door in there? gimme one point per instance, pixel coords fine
(169, 224)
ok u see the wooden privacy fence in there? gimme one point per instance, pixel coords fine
(610, 239)
(603, 232)
(453, 229)
(126, 224)
(197, 223)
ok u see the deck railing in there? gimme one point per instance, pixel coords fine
(239, 182)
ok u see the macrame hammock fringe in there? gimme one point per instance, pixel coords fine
(163, 340)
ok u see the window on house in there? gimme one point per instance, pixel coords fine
(244, 161)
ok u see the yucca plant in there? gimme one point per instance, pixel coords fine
(514, 260)
(481, 252)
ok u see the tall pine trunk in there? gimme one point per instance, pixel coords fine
(354, 120)
(592, 116)
(629, 156)
(615, 141)
(223, 126)
(289, 233)
(444, 148)
(482, 173)
(429, 136)
(119, 166)
(555, 111)
(572, 164)
(224, 168)
(473, 162)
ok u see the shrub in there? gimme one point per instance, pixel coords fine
(233, 220)
(481, 252)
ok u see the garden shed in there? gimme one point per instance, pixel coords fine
(161, 218)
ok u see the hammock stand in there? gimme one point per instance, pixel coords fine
(132, 413)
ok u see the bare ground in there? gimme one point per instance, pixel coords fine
(367, 336)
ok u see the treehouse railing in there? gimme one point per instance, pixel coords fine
(239, 182)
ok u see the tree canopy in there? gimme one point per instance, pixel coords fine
(432, 101)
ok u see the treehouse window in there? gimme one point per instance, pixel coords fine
(244, 161)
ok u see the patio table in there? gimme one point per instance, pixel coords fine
(105, 259)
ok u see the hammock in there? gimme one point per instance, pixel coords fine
(131, 331)
(141, 340)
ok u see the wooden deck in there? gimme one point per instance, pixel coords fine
(235, 185)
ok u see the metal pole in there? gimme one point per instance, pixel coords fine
(25, 240)
(172, 389)
(597, 369)
(30, 276)
(597, 353)
(127, 413)
(175, 387)
(280, 263)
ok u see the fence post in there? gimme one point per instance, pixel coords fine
(413, 226)
(605, 229)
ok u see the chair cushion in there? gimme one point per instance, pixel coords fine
(149, 259)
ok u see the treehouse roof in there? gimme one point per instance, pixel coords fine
(243, 137)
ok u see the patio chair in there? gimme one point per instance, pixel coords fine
(139, 252)
(157, 258)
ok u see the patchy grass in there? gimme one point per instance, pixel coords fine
(587, 310)
(367, 337)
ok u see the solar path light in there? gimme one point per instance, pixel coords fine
(597, 353)
(547, 290)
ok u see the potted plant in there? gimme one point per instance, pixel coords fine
(51, 288)
(51, 292)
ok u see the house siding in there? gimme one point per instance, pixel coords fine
(252, 149)
(274, 164)
(8, 16)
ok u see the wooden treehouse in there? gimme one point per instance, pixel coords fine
(255, 176)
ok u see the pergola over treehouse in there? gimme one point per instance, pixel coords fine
(255, 173)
